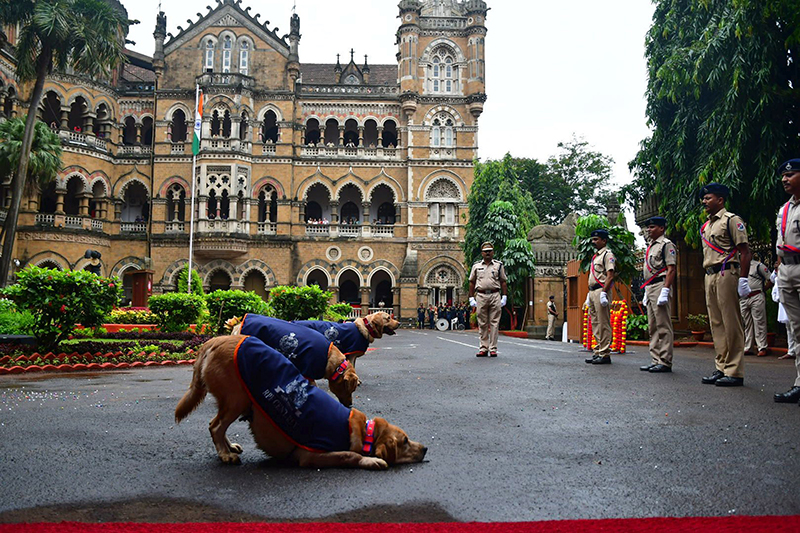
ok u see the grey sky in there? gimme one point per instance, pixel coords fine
(553, 68)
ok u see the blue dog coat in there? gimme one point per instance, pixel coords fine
(344, 336)
(307, 350)
(308, 416)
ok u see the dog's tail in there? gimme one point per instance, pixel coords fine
(197, 389)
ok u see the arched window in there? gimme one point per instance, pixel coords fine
(389, 134)
(226, 124)
(147, 131)
(71, 199)
(51, 110)
(350, 213)
(129, 133)
(211, 211)
(267, 205)
(313, 211)
(312, 131)
(443, 131)
(269, 128)
(176, 207)
(244, 57)
(227, 47)
(209, 56)
(243, 126)
(77, 111)
(443, 72)
(215, 124)
(225, 206)
(178, 126)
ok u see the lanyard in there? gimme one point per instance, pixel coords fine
(647, 265)
(603, 285)
(786, 247)
(716, 248)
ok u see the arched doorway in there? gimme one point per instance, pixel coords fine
(444, 284)
(317, 277)
(381, 291)
(257, 283)
(350, 288)
(220, 281)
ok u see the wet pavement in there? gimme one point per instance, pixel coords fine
(535, 434)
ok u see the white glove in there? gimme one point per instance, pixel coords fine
(604, 299)
(773, 276)
(586, 303)
(472, 302)
(663, 298)
(644, 299)
(744, 287)
(503, 300)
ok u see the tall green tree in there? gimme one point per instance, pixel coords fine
(723, 103)
(45, 155)
(86, 35)
(621, 242)
(503, 213)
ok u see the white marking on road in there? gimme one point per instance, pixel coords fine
(456, 342)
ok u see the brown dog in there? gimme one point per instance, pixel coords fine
(313, 361)
(216, 371)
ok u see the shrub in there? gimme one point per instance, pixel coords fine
(175, 311)
(13, 322)
(223, 305)
(338, 312)
(637, 327)
(183, 282)
(299, 303)
(697, 322)
(131, 315)
(57, 300)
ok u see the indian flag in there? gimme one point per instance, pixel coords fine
(198, 121)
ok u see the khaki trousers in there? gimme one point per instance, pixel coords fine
(659, 325)
(724, 316)
(601, 322)
(754, 315)
(551, 326)
(789, 284)
(488, 311)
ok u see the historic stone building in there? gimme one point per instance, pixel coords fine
(348, 175)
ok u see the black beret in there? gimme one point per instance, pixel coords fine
(656, 221)
(552, 297)
(602, 233)
(717, 189)
(792, 165)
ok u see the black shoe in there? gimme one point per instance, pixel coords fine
(790, 396)
(660, 368)
(589, 360)
(482, 354)
(602, 360)
(729, 381)
(710, 380)
(492, 354)
(646, 368)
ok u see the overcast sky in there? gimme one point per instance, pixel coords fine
(553, 68)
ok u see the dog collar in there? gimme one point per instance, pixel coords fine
(370, 329)
(340, 370)
(369, 438)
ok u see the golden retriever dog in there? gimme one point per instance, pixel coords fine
(315, 356)
(289, 419)
(353, 338)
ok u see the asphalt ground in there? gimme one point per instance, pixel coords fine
(534, 434)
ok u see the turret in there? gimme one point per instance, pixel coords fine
(337, 71)
(476, 54)
(408, 45)
(365, 71)
(160, 34)
(293, 64)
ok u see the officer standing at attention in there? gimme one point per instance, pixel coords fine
(659, 275)
(601, 281)
(421, 316)
(488, 280)
(788, 246)
(552, 313)
(725, 254)
(754, 310)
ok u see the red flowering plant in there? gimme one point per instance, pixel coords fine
(60, 299)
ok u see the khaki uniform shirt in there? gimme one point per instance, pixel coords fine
(487, 277)
(660, 254)
(725, 230)
(759, 275)
(551, 308)
(792, 237)
(602, 262)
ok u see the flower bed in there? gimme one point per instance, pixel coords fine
(62, 362)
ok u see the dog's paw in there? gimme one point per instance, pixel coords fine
(235, 448)
(230, 458)
(373, 463)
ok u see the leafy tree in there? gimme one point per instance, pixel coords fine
(551, 193)
(183, 281)
(723, 103)
(86, 35)
(44, 158)
(620, 242)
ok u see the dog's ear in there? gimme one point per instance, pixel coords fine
(352, 381)
(387, 450)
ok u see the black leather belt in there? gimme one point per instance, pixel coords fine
(791, 259)
(491, 291)
(719, 268)
(659, 279)
(595, 287)
(752, 294)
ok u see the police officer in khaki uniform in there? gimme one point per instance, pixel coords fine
(659, 278)
(552, 314)
(788, 246)
(725, 254)
(754, 310)
(601, 281)
(488, 293)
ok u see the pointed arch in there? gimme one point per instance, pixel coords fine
(267, 181)
(162, 192)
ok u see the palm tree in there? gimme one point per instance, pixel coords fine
(87, 35)
(44, 159)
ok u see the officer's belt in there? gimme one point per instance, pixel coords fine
(595, 287)
(716, 269)
(791, 259)
(490, 291)
(754, 293)
(657, 279)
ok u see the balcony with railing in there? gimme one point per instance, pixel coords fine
(178, 148)
(220, 225)
(225, 79)
(317, 230)
(134, 150)
(375, 91)
(74, 138)
(133, 228)
(267, 228)
(382, 230)
(349, 230)
(345, 152)
(218, 144)
(175, 227)
(45, 219)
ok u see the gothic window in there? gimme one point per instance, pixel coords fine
(227, 46)
(178, 126)
(267, 205)
(226, 124)
(269, 128)
(442, 198)
(129, 131)
(244, 57)
(209, 56)
(443, 72)
(350, 213)
(176, 208)
(351, 79)
(215, 124)
(443, 131)
(243, 127)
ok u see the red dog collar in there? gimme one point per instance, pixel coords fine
(339, 372)
(369, 438)
(370, 329)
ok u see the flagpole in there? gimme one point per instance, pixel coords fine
(198, 122)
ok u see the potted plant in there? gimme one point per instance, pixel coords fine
(698, 324)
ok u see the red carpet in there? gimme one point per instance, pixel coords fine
(772, 524)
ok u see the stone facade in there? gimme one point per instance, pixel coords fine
(351, 176)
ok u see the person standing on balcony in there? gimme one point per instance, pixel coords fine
(488, 280)
(726, 254)
(788, 248)
(754, 310)
(659, 275)
(601, 281)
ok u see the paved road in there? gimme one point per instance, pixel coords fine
(534, 434)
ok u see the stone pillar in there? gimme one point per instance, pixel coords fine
(361, 135)
(60, 193)
(364, 301)
(138, 133)
(380, 136)
(83, 205)
(365, 212)
(341, 135)
(64, 118)
(334, 212)
(88, 123)
(233, 207)
(303, 139)
(396, 302)
(236, 124)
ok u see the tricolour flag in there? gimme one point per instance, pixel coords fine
(198, 121)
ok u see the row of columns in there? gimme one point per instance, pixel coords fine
(342, 129)
(8, 102)
(84, 201)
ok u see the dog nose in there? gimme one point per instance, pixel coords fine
(424, 450)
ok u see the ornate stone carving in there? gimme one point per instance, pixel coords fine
(443, 189)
